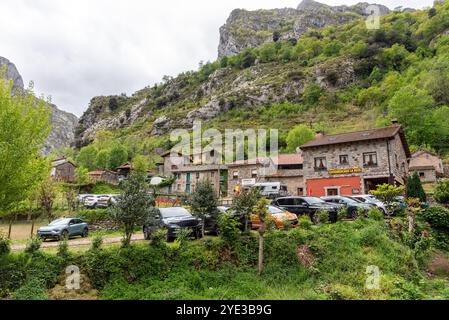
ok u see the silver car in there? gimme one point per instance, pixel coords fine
(367, 198)
(64, 229)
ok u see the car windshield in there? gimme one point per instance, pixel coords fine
(313, 200)
(350, 200)
(274, 210)
(360, 199)
(59, 222)
(174, 212)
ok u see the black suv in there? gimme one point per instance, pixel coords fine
(307, 206)
(172, 219)
(353, 206)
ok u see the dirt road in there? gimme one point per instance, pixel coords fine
(77, 242)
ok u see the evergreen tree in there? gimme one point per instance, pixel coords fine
(204, 202)
(414, 188)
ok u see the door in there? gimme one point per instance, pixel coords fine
(302, 207)
(72, 227)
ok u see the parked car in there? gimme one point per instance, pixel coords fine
(367, 198)
(64, 229)
(211, 223)
(353, 206)
(308, 206)
(90, 202)
(280, 216)
(173, 219)
(105, 201)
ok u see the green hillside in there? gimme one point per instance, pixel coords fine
(336, 78)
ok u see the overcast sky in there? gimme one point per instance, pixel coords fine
(76, 49)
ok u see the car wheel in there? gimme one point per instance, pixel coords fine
(64, 235)
(170, 239)
(85, 233)
(353, 214)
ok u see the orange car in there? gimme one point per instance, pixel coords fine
(280, 217)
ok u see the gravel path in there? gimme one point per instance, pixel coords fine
(77, 242)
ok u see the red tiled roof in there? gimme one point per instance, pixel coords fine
(287, 159)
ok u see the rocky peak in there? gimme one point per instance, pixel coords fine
(12, 74)
(63, 123)
(249, 29)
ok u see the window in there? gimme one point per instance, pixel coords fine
(197, 175)
(235, 175)
(174, 167)
(212, 153)
(332, 192)
(212, 174)
(254, 173)
(422, 175)
(397, 161)
(320, 163)
(370, 159)
(179, 187)
(344, 159)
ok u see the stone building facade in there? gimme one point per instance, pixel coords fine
(284, 168)
(189, 170)
(356, 162)
(63, 170)
(428, 166)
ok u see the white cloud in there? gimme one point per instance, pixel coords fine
(76, 49)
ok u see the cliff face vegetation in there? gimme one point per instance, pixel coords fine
(336, 78)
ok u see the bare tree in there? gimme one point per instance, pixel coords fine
(46, 198)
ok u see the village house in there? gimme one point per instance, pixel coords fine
(284, 168)
(189, 170)
(356, 162)
(106, 176)
(428, 166)
(63, 170)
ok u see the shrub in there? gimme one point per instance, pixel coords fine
(97, 243)
(414, 188)
(322, 216)
(228, 225)
(63, 249)
(375, 214)
(342, 214)
(33, 246)
(33, 289)
(438, 217)
(441, 193)
(305, 222)
(92, 216)
(5, 245)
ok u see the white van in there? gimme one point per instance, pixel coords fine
(272, 189)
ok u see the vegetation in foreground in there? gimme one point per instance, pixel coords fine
(324, 261)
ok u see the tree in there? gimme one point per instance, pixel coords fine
(204, 202)
(414, 188)
(298, 136)
(24, 126)
(81, 176)
(388, 193)
(140, 164)
(103, 159)
(243, 204)
(263, 214)
(46, 198)
(118, 156)
(312, 94)
(134, 206)
(87, 157)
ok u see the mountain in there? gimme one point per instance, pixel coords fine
(250, 29)
(63, 123)
(336, 78)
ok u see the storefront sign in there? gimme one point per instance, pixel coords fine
(345, 171)
(248, 182)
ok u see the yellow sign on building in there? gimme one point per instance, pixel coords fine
(345, 171)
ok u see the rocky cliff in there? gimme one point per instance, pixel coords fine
(63, 123)
(249, 29)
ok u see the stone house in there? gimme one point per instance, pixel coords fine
(284, 168)
(428, 166)
(189, 170)
(356, 162)
(63, 170)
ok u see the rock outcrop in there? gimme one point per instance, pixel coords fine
(249, 29)
(63, 123)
